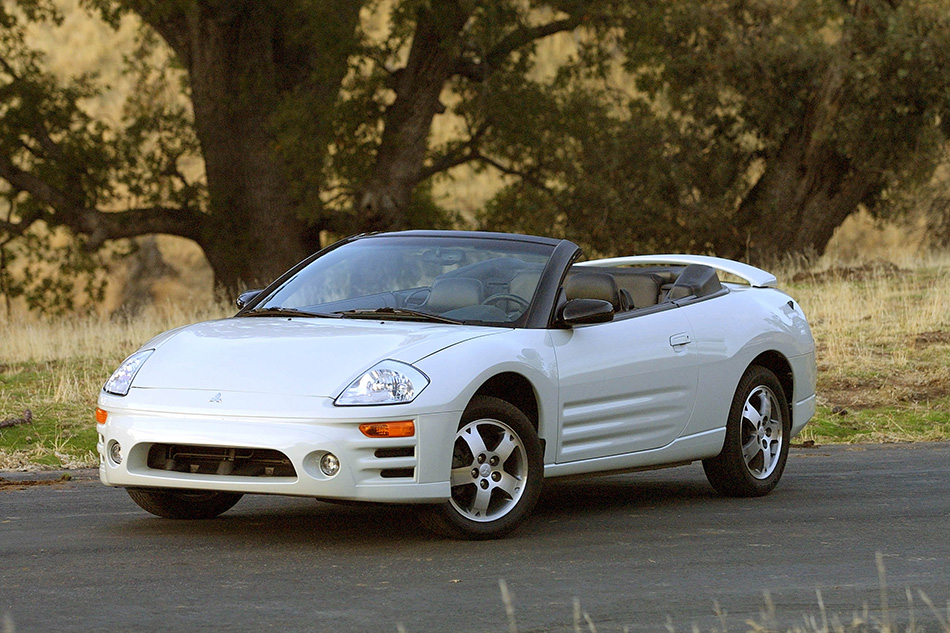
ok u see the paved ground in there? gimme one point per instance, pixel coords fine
(638, 551)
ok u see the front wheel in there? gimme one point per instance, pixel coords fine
(183, 504)
(757, 435)
(497, 469)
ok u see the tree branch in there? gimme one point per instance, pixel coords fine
(145, 221)
(407, 122)
(25, 181)
(11, 228)
(51, 147)
(464, 153)
(522, 36)
(169, 19)
(6, 67)
(98, 225)
(26, 419)
(528, 177)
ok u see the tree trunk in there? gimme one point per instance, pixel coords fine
(805, 193)
(242, 60)
(433, 59)
(809, 186)
(253, 234)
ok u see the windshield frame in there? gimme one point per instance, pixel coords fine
(536, 315)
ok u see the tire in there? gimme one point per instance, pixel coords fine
(183, 504)
(757, 437)
(497, 471)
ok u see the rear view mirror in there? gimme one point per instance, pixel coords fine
(583, 311)
(444, 256)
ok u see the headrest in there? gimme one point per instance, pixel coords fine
(451, 293)
(696, 280)
(585, 285)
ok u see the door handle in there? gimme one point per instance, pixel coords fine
(680, 339)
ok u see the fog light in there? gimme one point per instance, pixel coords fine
(115, 453)
(329, 464)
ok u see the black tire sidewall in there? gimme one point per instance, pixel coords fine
(727, 472)
(446, 520)
(183, 504)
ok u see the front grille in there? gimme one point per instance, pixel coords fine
(220, 460)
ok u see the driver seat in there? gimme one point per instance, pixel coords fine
(452, 293)
(592, 285)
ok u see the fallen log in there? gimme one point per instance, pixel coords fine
(26, 419)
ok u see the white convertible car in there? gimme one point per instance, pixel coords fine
(457, 371)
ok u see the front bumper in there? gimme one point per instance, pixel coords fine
(803, 400)
(396, 470)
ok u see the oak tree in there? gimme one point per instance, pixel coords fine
(748, 128)
(305, 121)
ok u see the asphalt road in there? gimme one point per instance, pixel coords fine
(642, 551)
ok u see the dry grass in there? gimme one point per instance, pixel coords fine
(55, 369)
(882, 331)
(28, 339)
(879, 331)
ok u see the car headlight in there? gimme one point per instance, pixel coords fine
(121, 380)
(389, 382)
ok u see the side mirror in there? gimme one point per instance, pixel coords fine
(583, 311)
(246, 297)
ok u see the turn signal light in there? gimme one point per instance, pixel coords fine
(101, 416)
(404, 428)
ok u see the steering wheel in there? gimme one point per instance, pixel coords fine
(412, 299)
(521, 302)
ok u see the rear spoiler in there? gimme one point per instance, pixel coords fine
(755, 277)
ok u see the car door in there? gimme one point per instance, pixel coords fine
(624, 386)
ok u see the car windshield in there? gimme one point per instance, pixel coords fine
(424, 278)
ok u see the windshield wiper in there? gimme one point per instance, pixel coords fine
(397, 312)
(289, 312)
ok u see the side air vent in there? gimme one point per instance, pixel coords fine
(398, 473)
(407, 451)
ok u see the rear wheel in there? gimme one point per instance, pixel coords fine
(757, 435)
(497, 469)
(183, 504)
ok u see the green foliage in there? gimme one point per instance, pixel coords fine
(713, 90)
(898, 88)
(42, 131)
(47, 135)
(648, 134)
(55, 275)
(325, 126)
(602, 177)
(157, 143)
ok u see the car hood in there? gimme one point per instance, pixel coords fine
(289, 356)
